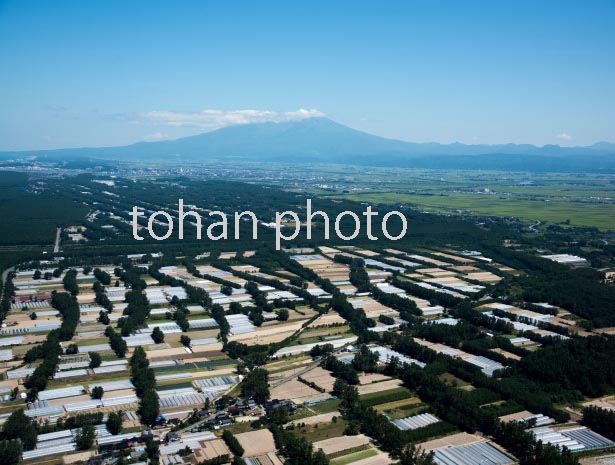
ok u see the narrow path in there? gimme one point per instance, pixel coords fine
(296, 375)
(56, 246)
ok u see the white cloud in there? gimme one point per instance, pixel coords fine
(55, 108)
(156, 136)
(215, 119)
(564, 136)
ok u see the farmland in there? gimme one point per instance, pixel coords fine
(231, 348)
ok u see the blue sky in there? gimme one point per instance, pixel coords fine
(94, 73)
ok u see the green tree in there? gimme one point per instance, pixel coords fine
(95, 359)
(10, 452)
(151, 449)
(410, 455)
(232, 443)
(283, 314)
(19, 426)
(226, 290)
(114, 423)
(85, 437)
(97, 392)
(158, 335)
(256, 384)
(149, 407)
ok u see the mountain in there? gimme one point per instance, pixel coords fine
(325, 141)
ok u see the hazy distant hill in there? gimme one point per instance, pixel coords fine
(323, 140)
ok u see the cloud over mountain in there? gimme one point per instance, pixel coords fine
(211, 119)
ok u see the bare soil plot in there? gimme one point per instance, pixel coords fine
(459, 439)
(379, 387)
(267, 334)
(516, 416)
(297, 391)
(333, 445)
(210, 450)
(292, 371)
(484, 277)
(165, 354)
(320, 377)
(607, 403)
(429, 260)
(506, 354)
(328, 319)
(435, 272)
(464, 268)
(367, 253)
(314, 420)
(256, 442)
(398, 403)
(371, 307)
(456, 258)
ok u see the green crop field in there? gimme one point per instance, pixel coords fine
(574, 199)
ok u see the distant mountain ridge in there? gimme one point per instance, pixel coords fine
(322, 140)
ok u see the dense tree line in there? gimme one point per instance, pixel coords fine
(358, 275)
(341, 370)
(512, 385)
(296, 449)
(101, 297)
(135, 313)
(69, 309)
(77, 421)
(257, 354)
(70, 282)
(102, 276)
(365, 360)
(232, 443)
(439, 298)
(321, 349)
(463, 410)
(376, 425)
(20, 427)
(403, 305)
(256, 384)
(118, 345)
(220, 460)
(465, 311)
(586, 365)
(7, 290)
(217, 312)
(144, 380)
(578, 290)
(601, 420)
(10, 451)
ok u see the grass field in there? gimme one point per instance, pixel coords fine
(598, 214)
(325, 407)
(318, 432)
(584, 199)
(382, 397)
(354, 457)
(401, 408)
